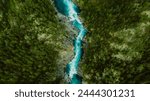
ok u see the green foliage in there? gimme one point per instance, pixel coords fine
(118, 41)
(29, 42)
(118, 46)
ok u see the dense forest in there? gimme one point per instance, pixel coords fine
(118, 41)
(35, 46)
(30, 40)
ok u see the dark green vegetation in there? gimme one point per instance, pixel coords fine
(118, 42)
(30, 41)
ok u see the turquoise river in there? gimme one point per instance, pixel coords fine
(70, 10)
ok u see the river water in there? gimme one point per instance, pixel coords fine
(69, 9)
